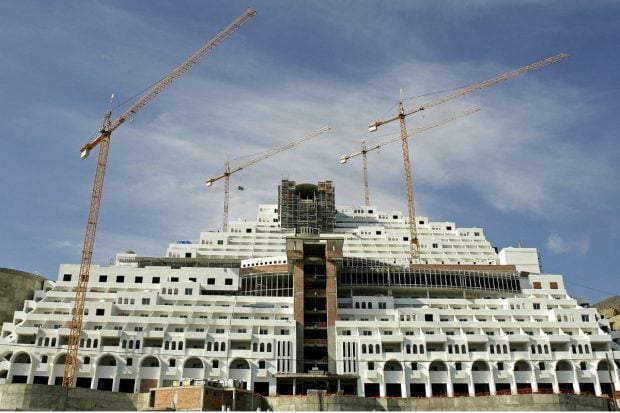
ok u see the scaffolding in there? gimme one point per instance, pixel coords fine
(307, 208)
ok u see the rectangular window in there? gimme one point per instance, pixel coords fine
(188, 291)
(210, 281)
(66, 277)
(155, 280)
(219, 331)
(500, 366)
(435, 245)
(100, 311)
(458, 366)
(138, 280)
(130, 362)
(284, 332)
(536, 306)
(536, 285)
(371, 365)
(146, 301)
(428, 317)
(172, 363)
(103, 278)
(215, 364)
(140, 328)
(120, 278)
(228, 281)
(220, 242)
(585, 317)
(553, 285)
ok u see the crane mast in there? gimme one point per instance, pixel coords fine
(402, 114)
(227, 171)
(103, 140)
(364, 149)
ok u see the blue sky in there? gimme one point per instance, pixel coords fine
(537, 165)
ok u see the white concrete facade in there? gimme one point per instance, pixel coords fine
(153, 325)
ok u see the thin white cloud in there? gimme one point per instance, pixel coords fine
(556, 244)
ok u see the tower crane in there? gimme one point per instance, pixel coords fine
(103, 140)
(228, 171)
(364, 150)
(402, 114)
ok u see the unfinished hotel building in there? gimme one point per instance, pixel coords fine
(314, 297)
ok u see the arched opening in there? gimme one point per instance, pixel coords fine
(107, 360)
(523, 376)
(193, 363)
(150, 361)
(22, 358)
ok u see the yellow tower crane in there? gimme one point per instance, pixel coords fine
(402, 114)
(228, 171)
(364, 150)
(103, 140)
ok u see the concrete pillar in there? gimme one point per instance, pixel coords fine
(576, 387)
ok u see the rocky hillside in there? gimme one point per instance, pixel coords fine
(610, 308)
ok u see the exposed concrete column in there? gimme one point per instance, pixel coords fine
(513, 381)
(295, 255)
(597, 382)
(333, 257)
(576, 387)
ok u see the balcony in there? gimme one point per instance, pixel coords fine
(477, 338)
(559, 338)
(518, 338)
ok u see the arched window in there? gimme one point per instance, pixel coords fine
(130, 343)
(463, 349)
(492, 349)
(166, 345)
(254, 347)
(587, 349)
(209, 346)
(449, 348)
(47, 341)
(268, 347)
(88, 343)
(357, 304)
(363, 348)
(137, 344)
(96, 343)
(124, 344)
(580, 347)
(40, 341)
(539, 349)
(180, 345)
(223, 347)
(173, 345)
(505, 347)
(456, 349)
(421, 349)
(546, 349)
(216, 346)
(262, 347)
(370, 349)
(533, 349)
(498, 349)
(363, 305)
(54, 342)
(377, 349)
(408, 348)
(574, 348)
(415, 349)
(370, 306)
